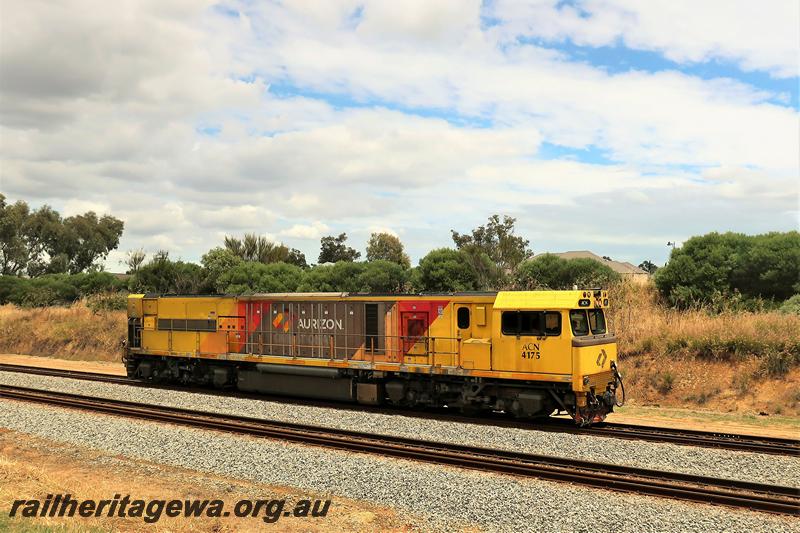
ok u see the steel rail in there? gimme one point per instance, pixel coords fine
(726, 492)
(685, 437)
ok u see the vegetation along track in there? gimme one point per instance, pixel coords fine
(733, 493)
(709, 439)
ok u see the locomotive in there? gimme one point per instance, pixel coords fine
(525, 353)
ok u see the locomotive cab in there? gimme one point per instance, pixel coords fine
(594, 355)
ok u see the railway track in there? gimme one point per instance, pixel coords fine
(731, 493)
(687, 437)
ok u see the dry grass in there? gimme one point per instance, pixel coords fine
(647, 327)
(644, 326)
(73, 332)
(730, 361)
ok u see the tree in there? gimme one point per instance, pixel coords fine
(343, 276)
(39, 242)
(489, 275)
(217, 262)
(387, 247)
(257, 248)
(381, 276)
(14, 253)
(162, 275)
(134, 259)
(446, 270)
(334, 249)
(497, 240)
(43, 232)
(85, 240)
(297, 258)
(722, 265)
(548, 271)
(648, 266)
(252, 277)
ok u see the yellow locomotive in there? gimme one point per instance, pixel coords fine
(525, 353)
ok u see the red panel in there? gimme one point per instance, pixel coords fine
(427, 310)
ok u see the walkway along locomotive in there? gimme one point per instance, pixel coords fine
(526, 353)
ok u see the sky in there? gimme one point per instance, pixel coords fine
(614, 126)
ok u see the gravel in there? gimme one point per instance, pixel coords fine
(780, 470)
(444, 498)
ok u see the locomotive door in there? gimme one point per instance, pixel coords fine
(414, 333)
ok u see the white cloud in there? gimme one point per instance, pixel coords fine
(165, 114)
(383, 229)
(312, 231)
(243, 217)
(662, 118)
(78, 207)
(757, 36)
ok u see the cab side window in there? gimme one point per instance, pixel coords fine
(462, 317)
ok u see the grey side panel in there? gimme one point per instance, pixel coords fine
(292, 385)
(295, 370)
(593, 341)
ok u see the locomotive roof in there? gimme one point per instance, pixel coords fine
(325, 295)
(515, 300)
(543, 299)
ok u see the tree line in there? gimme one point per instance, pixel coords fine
(46, 258)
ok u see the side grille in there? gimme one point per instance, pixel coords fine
(180, 324)
(601, 380)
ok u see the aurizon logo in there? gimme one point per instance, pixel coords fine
(278, 322)
(307, 323)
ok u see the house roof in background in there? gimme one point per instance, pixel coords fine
(619, 267)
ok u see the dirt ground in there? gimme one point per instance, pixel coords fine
(723, 411)
(722, 386)
(32, 468)
(100, 367)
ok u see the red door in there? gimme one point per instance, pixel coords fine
(414, 332)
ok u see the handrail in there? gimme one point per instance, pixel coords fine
(393, 345)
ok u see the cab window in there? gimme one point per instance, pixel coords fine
(462, 317)
(530, 323)
(552, 324)
(597, 321)
(579, 322)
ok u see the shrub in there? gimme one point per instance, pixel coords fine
(446, 270)
(12, 289)
(775, 364)
(96, 282)
(791, 306)
(718, 267)
(164, 276)
(111, 301)
(252, 277)
(342, 276)
(664, 382)
(54, 289)
(549, 271)
(383, 276)
(646, 325)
